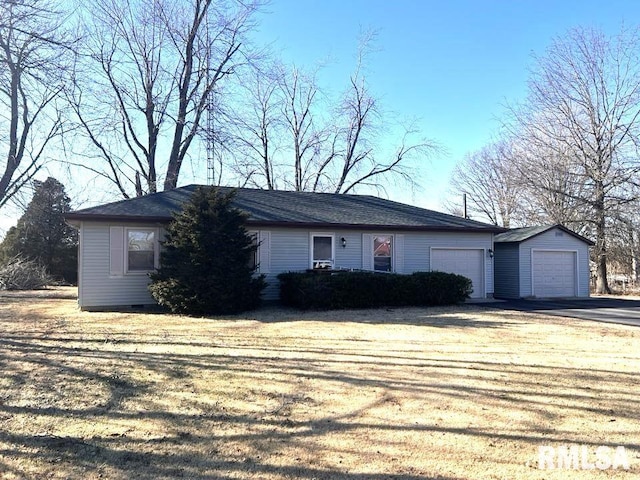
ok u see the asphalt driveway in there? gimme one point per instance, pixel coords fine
(611, 310)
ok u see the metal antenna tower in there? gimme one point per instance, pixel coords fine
(210, 125)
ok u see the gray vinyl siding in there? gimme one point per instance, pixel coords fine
(507, 270)
(349, 257)
(416, 252)
(289, 251)
(418, 245)
(549, 241)
(98, 288)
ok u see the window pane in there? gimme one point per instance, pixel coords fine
(141, 240)
(140, 260)
(322, 248)
(382, 264)
(141, 250)
(322, 252)
(382, 246)
(382, 252)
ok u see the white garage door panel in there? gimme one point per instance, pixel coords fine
(554, 274)
(466, 262)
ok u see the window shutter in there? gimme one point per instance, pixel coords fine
(158, 237)
(367, 252)
(398, 254)
(264, 252)
(116, 251)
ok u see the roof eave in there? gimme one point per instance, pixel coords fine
(561, 227)
(75, 217)
(576, 235)
(89, 217)
(373, 226)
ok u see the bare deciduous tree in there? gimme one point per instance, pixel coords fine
(584, 102)
(33, 51)
(257, 127)
(624, 243)
(490, 180)
(551, 186)
(287, 140)
(300, 94)
(357, 162)
(143, 88)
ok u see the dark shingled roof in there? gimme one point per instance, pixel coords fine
(281, 208)
(525, 233)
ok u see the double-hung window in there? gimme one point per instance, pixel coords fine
(141, 249)
(322, 250)
(382, 253)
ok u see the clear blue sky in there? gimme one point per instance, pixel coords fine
(452, 63)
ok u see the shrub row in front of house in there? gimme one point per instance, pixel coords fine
(335, 290)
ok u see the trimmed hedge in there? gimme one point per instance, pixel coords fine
(341, 289)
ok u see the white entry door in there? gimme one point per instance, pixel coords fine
(462, 261)
(554, 273)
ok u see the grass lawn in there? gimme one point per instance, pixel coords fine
(447, 393)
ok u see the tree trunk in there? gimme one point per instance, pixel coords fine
(634, 255)
(602, 285)
(13, 160)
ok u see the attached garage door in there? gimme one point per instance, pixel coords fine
(554, 273)
(466, 262)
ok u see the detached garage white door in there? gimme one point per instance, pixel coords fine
(554, 273)
(466, 262)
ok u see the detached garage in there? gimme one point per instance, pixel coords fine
(544, 262)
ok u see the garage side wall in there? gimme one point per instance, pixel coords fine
(554, 239)
(507, 270)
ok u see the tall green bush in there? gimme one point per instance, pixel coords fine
(205, 261)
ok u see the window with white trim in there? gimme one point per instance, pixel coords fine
(141, 249)
(382, 253)
(322, 250)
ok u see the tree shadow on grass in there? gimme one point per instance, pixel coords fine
(448, 321)
(128, 385)
(44, 294)
(186, 455)
(125, 457)
(456, 316)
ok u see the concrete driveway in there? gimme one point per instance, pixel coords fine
(611, 310)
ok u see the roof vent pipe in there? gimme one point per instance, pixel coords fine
(464, 205)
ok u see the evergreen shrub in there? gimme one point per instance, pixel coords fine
(206, 261)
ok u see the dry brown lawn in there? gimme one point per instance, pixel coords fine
(450, 393)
